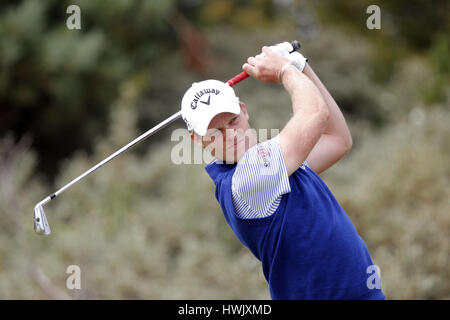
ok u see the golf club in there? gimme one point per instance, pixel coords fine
(41, 225)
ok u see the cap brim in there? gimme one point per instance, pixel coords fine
(202, 127)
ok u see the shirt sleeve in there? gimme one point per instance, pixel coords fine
(260, 180)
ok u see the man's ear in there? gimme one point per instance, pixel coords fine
(244, 110)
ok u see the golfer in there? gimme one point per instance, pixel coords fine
(270, 192)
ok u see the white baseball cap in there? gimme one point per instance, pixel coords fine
(205, 99)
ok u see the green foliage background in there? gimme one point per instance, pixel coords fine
(142, 227)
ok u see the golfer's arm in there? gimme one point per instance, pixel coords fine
(305, 127)
(336, 139)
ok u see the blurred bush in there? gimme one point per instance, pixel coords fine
(57, 84)
(395, 186)
(407, 28)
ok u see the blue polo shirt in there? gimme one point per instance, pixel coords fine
(308, 247)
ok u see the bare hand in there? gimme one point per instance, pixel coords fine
(265, 67)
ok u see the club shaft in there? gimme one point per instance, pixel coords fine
(118, 152)
(124, 148)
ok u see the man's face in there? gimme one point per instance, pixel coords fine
(229, 136)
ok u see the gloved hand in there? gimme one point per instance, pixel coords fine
(285, 50)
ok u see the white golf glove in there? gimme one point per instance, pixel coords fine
(284, 49)
(297, 60)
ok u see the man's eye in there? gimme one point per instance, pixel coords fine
(233, 120)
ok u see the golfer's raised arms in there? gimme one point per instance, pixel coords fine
(336, 139)
(303, 130)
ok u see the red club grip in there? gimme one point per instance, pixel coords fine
(238, 78)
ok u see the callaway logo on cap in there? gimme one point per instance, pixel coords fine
(204, 100)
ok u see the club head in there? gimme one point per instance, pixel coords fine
(40, 220)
